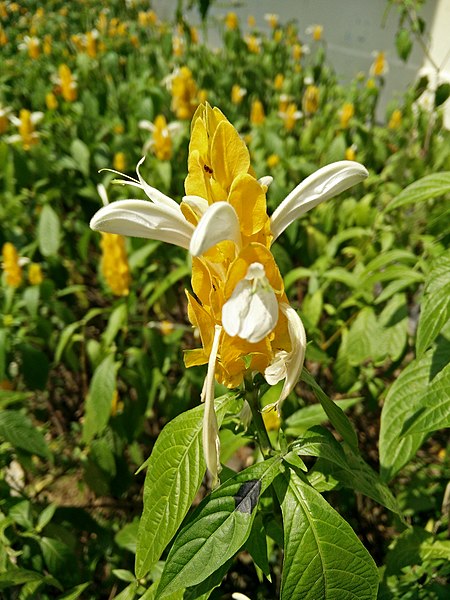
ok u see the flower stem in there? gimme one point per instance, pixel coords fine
(252, 397)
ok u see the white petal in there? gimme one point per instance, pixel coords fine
(210, 433)
(266, 180)
(144, 124)
(198, 204)
(293, 360)
(251, 313)
(140, 218)
(155, 195)
(102, 193)
(220, 222)
(36, 117)
(321, 185)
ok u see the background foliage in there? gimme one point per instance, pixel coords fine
(89, 378)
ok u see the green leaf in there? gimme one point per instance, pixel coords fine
(18, 577)
(323, 557)
(116, 321)
(403, 43)
(347, 468)
(256, 545)
(217, 529)
(57, 555)
(3, 348)
(81, 155)
(49, 231)
(35, 366)
(99, 399)
(19, 431)
(403, 399)
(430, 186)
(127, 536)
(442, 94)
(435, 310)
(337, 417)
(175, 471)
(168, 282)
(434, 411)
(45, 516)
(75, 592)
(307, 417)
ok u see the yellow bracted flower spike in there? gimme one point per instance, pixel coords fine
(11, 266)
(114, 264)
(162, 142)
(35, 276)
(184, 94)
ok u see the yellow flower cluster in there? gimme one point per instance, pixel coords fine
(310, 102)
(184, 94)
(257, 114)
(67, 83)
(114, 264)
(11, 266)
(347, 113)
(219, 168)
(162, 142)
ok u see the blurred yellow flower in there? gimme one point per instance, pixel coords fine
(253, 44)
(272, 161)
(114, 264)
(26, 124)
(237, 94)
(316, 31)
(118, 128)
(347, 112)
(310, 101)
(50, 101)
(91, 43)
(102, 22)
(251, 21)
(231, 21)
(278, 81)
(33, 45)
(120, 161)
(396, 119)
(271, 420)
(257, 114)
(47, 44)
(290, 116)
(11, 266)
(272, 19)
(184, 93)
(3, 37)
(371, 84)
(116, 404)
(166, 327)
(177, 45)
(297, 51)
(67, 83)
(195, 38)
(35, 276)
(379, 66)
(350, 152)
(278, 35)
(202, 96)
(4, 120)
(161, 141)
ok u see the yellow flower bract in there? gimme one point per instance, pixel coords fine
(219, 170)
(11, 267)
(114, 264)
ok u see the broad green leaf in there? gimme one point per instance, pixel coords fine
(127, 536)
(81, 155)
(99, 399)
(363, 337)
(295, 275)
(57, 555)
(217, 529)
(256, 545)
(49, 231)
(175, 471)
(435, 309)
(45, 516)
(430, 186)
(348, 469)
(8, 397)
(434, 411)
(20, 432)
(337, 417)
(307, 417)
(403, 399)
(323, 558)
(17, 577)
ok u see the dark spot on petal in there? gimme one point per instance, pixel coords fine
(247, 496)
(208, 169)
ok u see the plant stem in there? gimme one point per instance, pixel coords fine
(252, 397)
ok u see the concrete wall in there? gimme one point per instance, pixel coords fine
(353, 30)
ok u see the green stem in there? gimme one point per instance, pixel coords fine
(252, 397)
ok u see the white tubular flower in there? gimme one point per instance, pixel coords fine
(210, 433)
(318, 187)
(218, 223)
(288, 365)
(252, 311)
